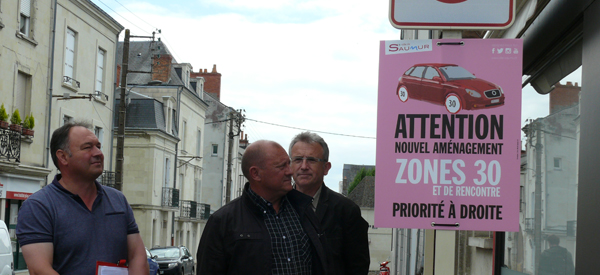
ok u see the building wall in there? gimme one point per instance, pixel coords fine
(93, 31)
(213, 180)
(143, 182)
(380, 240)
(28, 56)
(192, 113)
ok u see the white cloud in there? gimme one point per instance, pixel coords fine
(309, 64)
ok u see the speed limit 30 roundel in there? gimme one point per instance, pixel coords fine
(451, 1)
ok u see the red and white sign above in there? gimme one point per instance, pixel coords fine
(452, 14)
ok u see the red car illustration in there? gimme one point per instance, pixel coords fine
(449, 85)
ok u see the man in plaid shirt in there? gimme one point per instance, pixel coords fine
(270, 229)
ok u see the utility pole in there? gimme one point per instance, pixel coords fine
(538, 193)
(122, 110)
(239, 119)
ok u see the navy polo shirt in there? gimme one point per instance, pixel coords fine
(80, 236)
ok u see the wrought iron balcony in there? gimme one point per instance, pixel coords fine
(170, 197)
(203, 210)
(10, 145)
(100, 95)
(187, 209)
(108, 179)
(72, 81)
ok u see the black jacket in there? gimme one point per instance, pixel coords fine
(346, 233)
(235, 239)
(556, 260)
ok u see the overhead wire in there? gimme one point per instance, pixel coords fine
(177, 57)
(304, 129)
(141, 29)
(136, 15)
(171, 49)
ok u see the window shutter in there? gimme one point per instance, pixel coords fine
(21, 95)
(26, 7)
(100, 70)
(70, 53)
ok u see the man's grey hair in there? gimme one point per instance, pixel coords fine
(310, 138)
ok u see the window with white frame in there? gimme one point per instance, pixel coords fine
(215, 150)
(199, 143)
(99, 132)
(25, 18)
(167, 172)
(180, 181)
(69, 69)
(100, 72)
(557, 163)
(183, 134)
(198, 195)
(23, 93)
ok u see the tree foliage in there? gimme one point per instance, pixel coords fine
(362, 173)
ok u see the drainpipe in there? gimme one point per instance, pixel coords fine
(112, 128)
(51, 67)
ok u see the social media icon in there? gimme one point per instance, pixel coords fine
(500, 50)
(507, 50)
(493, 50)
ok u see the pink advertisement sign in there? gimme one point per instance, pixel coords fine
(448, 134)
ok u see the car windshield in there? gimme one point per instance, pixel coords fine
(456, 72)
(172, 252)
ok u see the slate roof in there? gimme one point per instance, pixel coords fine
(364, 193)
(143, 113)
(140, 59)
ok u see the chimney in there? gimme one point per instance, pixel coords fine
(564, 96)
(244, 142)
(212, 81)
(161, 67)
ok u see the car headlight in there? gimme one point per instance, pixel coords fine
(171, 265)
(500, 88)
(473, 93)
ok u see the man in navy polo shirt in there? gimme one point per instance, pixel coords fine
(69, 225)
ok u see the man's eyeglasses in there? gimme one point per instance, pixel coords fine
(310, 160)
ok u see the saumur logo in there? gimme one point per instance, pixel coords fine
(407, 46)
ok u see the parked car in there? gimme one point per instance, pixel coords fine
(7, 266)
(449, 85)
(173, 260)
(152, 262)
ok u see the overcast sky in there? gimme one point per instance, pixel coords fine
(291, 64)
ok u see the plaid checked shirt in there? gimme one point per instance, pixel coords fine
(289, 243)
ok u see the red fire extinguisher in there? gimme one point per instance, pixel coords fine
(383, 269)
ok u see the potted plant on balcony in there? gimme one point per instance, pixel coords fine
(28, 125)
(3, 117)
(15, 121)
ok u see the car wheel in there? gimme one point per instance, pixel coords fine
(453, 103)
(402, 93)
